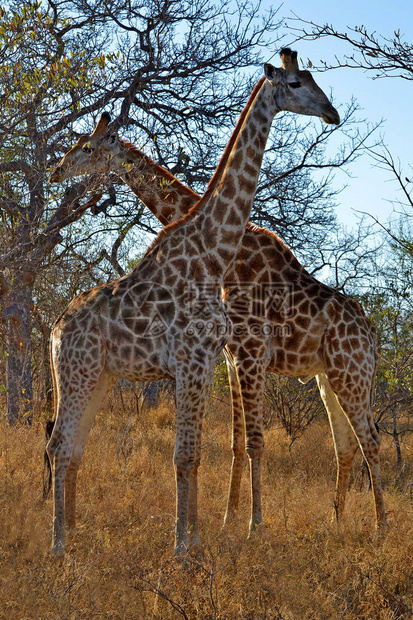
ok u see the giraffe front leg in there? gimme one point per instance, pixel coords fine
(238, 444)
(70, 494)
(183, 467)
(193, 526)
(190, 399)
(252, 381)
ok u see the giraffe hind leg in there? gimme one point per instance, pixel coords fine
(359, 415)
(76, 410)
(103, 386)
(345, 442)
(238, 443)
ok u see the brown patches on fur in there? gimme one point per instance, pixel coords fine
(229, 189)
(246, 184)
(237, 159)
(256, 263)
(233, 218)
(221, 210)
(250, 169)
(180, 265)
(302, 321)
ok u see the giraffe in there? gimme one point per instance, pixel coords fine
(144, 325)
(166, 197)
(105, 152)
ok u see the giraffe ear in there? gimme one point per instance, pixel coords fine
(294, 60)
(102, 125)
(271, 72)
(106, 117)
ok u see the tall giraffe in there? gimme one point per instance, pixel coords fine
(317, 328)
(145, 325)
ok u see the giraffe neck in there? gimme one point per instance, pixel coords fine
(162, 193)
(168, 199)
(226, 210)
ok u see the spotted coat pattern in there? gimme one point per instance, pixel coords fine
(119, 329)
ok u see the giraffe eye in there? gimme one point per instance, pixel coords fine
(294, 84)
(87, 149)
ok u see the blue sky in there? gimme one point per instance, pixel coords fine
(369, 189)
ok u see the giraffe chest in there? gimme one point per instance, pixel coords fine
(155, 346)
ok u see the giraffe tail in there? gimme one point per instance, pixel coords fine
(47, 466)
(376, 430)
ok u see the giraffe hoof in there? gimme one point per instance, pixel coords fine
(194, 540)
(58, 550)
(190, 558)
(197, 553)
(255, 531)
(228, 521)
(181, 549)
(382, 529)
(196, 549)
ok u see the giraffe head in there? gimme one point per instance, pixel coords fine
(296, 91)
(92, 153)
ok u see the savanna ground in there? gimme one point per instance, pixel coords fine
(120, 562)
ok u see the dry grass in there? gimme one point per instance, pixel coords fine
(120, 561)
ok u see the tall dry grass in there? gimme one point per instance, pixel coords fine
(120, 563)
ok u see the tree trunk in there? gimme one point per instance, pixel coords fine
(19, 352)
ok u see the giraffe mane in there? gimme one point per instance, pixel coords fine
(269, 233)
(190, 192)
(168, 176)
(213, 182)
(259, 229)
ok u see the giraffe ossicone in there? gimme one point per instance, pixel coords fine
(90, 345)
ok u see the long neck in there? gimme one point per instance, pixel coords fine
(164, 195)
(227, 210)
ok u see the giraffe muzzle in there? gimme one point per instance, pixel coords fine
(332, 117)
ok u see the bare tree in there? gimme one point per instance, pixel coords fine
(394, 386)
(383, 56)
(61, 62)
(291, 403)
(173, 74)
(350, 260)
